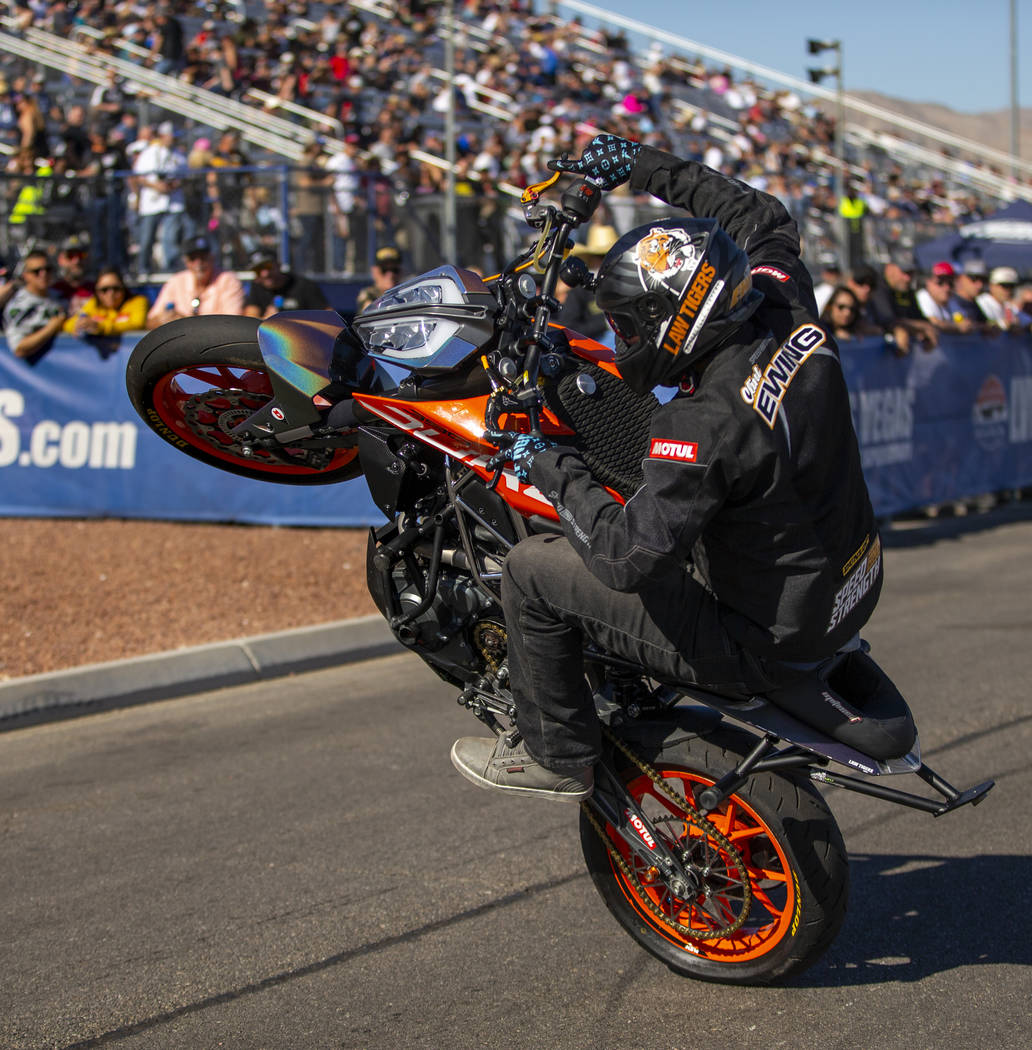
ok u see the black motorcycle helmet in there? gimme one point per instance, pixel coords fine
(672, 290)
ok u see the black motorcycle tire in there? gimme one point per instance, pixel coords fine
(166, 377)
(806, 883)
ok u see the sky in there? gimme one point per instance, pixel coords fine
(945, 51)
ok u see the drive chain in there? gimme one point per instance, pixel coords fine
(694, 817)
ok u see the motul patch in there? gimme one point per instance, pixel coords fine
(770, 271)
(683, 451)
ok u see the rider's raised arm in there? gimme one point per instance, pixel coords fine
(758, 222)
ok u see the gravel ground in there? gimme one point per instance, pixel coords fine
(76, 592)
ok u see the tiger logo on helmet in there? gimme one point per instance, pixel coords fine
(662, 253)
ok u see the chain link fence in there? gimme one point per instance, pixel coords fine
(326, 226)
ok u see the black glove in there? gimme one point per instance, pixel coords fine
(607, 159)
(521, 450)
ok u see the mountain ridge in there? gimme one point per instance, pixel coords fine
(991, 128)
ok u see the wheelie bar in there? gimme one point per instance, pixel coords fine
(954, 799)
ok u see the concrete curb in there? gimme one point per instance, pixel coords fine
(161, 676)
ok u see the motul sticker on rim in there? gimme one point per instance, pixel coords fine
(664, 448)
(639, 826)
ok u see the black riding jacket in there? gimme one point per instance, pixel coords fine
(755, 476)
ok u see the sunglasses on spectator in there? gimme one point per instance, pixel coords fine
(844, 306)
(39, 269)
(103, 289)
(975, 277)
(942, 280)
(194, 256)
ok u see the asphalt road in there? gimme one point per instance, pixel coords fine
(295, 864)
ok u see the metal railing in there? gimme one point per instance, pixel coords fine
(242, 210)
(905, 124)
(166, 92)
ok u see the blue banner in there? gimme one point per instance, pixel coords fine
(71, 444)
(944, 424)
(934, 427)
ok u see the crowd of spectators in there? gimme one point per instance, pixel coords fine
(370, 78)
(373, 80)
(41, 300)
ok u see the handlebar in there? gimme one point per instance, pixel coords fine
(577, 205)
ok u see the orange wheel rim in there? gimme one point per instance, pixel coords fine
(199, 404)
(774, 911)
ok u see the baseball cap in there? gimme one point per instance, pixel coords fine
(904, 260)
(75, 243)
(388, 257)
(943, 269)
(196, 245)
(1003, 275)
(829, 261)
(262, 256)
(166, 127)
(865, 274)
(975, 268)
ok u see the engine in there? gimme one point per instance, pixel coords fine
(458, 631)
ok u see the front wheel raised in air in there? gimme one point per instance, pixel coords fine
(194, 380)
(782, 836)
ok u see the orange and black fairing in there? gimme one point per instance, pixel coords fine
(456, 428)
(590, 350)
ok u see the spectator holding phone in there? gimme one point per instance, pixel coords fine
(968, 285)
(934, 298)
(111, 310)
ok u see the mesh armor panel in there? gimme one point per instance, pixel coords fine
(612, 426)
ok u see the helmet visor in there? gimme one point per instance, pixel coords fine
(625, 326)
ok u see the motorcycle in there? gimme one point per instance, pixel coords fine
(706, 836)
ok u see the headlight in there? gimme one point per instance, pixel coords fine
(431, 322)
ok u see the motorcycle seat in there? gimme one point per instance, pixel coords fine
(851, 699)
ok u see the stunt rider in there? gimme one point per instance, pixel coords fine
(750, 548)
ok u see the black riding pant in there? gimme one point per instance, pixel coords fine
(553, 605)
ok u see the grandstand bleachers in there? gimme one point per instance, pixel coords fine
(530, 84)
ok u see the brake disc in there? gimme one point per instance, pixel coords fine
(214, 414)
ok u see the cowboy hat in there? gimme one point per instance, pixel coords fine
(600, 239)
